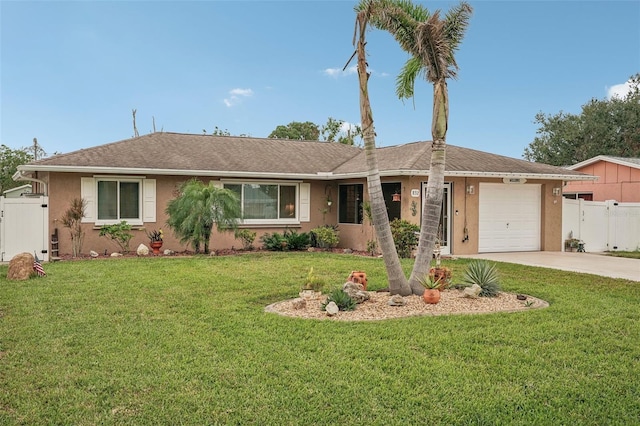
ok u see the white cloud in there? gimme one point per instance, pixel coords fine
(346, 126)
(236, 96)
(338, 72)
(619, 90)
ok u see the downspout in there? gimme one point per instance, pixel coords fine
(20, 176)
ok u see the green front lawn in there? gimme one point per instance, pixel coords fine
(187, 341)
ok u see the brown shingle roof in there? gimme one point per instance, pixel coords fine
(177, 152)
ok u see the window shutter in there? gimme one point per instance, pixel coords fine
(305, 194)
(149, 200)
(88, 194)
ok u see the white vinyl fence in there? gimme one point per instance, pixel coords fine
(24, 227)
(602, 225)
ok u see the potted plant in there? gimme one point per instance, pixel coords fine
(431, 289)
(312, 286)
(155, 240)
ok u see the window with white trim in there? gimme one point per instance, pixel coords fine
(263, 202)
(114, 199)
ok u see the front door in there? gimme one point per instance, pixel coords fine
(444, 228)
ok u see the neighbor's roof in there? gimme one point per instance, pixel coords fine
(228, 156)
(624, 161)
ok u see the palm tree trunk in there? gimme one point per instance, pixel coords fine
(432, 208)
(398, 283)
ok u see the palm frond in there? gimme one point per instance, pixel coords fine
(405, 81)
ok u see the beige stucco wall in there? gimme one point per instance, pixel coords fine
(615, 182)
(63, 187)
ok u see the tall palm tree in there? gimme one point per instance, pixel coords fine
(431, 42)
(197, 208)
(398, 283)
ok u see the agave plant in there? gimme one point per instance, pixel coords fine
(484, 274)
(429, 281)
(342, 299)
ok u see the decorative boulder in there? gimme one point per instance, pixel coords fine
(168, 252)
(93, 253)
(396, 300)
(20, 267)
(332, 309)
(356, 292)
(116, 254)
(473, 292)
(142, 250)
(299, 303)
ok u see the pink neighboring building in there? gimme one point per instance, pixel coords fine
(618, 179)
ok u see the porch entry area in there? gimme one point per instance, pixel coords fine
(444, 228)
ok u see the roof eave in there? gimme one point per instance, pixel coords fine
(311, 176)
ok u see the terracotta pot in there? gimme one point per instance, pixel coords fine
(155, 246)
(431, 296)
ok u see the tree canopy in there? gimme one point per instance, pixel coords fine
(10, 159)
(604, 127)
(297, 130)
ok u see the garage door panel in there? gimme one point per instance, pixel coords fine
(509, 217)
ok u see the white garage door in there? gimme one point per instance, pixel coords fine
(509, 217)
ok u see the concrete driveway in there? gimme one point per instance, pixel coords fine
(588, 263)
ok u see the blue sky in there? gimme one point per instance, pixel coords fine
(72, 71)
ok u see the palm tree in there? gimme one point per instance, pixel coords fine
(398, 283)
(431, 42)
(197, 208)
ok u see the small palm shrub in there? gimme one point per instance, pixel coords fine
(340, 298)
(119, 233)
(484, 274)
(296, 241)
(325, 236)
(274, 242)
(405, 236)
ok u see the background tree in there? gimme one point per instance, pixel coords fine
(431, 42)
(197, 208)
(334, 131)
(10, 159)
(307, 131)
(604, 127)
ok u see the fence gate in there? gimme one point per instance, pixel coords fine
(602, 225)
(24, 227)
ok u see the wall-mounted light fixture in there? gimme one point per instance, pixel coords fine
(471, 189)
(556, 191)
(395, 197)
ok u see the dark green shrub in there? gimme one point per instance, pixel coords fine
(340, 298)
(484, 274)
(274, 242)
(296, 241)
(325, 236)
(405, 236)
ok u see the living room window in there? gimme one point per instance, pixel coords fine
(119, 200)
(350, 199)
(266, 202)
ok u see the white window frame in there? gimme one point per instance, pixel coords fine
(299, 206)
(146, 199)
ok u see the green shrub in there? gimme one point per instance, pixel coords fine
(119, 233)
(325, 236)
(246, 236)
(405, 236)
(296, 241)
(274, 242)
(340, 298)
(313, 282)
(484, 274)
